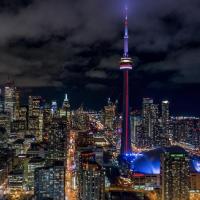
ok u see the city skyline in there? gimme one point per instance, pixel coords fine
(99, 100)
(62, 47)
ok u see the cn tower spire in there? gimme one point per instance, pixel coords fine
(125, 66)
(126, 33)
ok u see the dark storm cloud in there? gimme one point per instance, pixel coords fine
(53, 43)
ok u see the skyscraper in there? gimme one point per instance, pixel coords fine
(125, 66)
(66, 104)
(35, 117)
(91, 178)
(165, 116)
(49, 182)
(66, 108)
(146, 113)
(175, 176)
(56, 139)
(109, 115)
(9, 98)
(34, 105)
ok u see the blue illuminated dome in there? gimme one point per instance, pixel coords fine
(149, 162)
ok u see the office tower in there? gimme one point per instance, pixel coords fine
(35, 117)
(47, 118)
(9, 98)
(56, 139)
(33, 164)
(125, 66)
(91, 178)
(49, 182)
(155, 126)
(175, 175)
(146, 114)
(165, 116)
(35, 126)
(34, 105)
(17, 105)
(67, 111)
(66, 104)
(109, 115)
(136, 122)
(151, 123)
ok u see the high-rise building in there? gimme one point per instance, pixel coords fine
(109, 115)
(17, 105)
(35, 119)
(67, 111)
(91, 178)
(35, 126)
(34, 106)
(152, 131)
(136, 122)
(175, 176)
(33, 164)
(9, 98)
(146, 113)
(56, 139)
(47, 118)
(155, 125)
(126, 65)
(66, 104)
(165, 116)
(49, 182)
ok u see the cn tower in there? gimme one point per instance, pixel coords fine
(126, 65)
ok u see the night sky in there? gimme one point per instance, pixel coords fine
(50, 47)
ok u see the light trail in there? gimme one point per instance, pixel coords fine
(70, 174)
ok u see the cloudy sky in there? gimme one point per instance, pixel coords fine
(51, 47)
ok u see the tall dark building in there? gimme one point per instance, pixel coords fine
(165, 116)
(109, 115)
(91, 178)
(49, 182)
(146, 114)
(56, 139)
(175, 176)
(125, 66)
(9, 98)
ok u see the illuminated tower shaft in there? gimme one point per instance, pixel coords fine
(125, 66)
